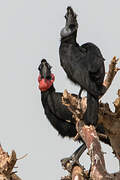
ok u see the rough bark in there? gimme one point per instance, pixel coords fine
(112, 72)
(7, 164)
(78, 173)
(110, 121)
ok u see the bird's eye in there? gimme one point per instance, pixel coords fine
(48, 66)
(39, 68)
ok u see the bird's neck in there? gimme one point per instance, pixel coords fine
(44, 94)
(71, 39)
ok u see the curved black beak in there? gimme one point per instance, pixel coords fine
(45, 69)
(71, 18)
(70, 11)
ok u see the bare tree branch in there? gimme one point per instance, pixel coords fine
(7, 164)
(112, 72)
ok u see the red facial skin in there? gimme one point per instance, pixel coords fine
(45, 84)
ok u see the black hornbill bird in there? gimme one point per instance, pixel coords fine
(58, 114)
(84, 65)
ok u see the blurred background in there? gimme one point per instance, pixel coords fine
(30, 31)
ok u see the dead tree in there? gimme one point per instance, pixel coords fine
(111, 123)
(7, 164)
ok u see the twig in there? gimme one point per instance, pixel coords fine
(22, 157)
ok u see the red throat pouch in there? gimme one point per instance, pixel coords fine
(45, 84)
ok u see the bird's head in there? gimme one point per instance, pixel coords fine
(45, 69)
(71, 23)
(46, 78)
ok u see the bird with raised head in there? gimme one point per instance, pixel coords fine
(57, 113)
(84, 65)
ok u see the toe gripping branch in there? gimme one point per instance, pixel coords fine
(69, 162)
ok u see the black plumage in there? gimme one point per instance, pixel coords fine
(58, 114)
(84, 65)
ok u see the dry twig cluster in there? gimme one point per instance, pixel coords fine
(7, 164)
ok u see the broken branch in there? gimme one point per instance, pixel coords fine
(7, 164)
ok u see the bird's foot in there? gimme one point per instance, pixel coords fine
(69, 163)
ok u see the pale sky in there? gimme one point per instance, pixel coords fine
(29, 31)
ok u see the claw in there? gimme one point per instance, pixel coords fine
(69, 163)
(65, 161)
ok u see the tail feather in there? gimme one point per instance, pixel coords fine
(91, 114)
